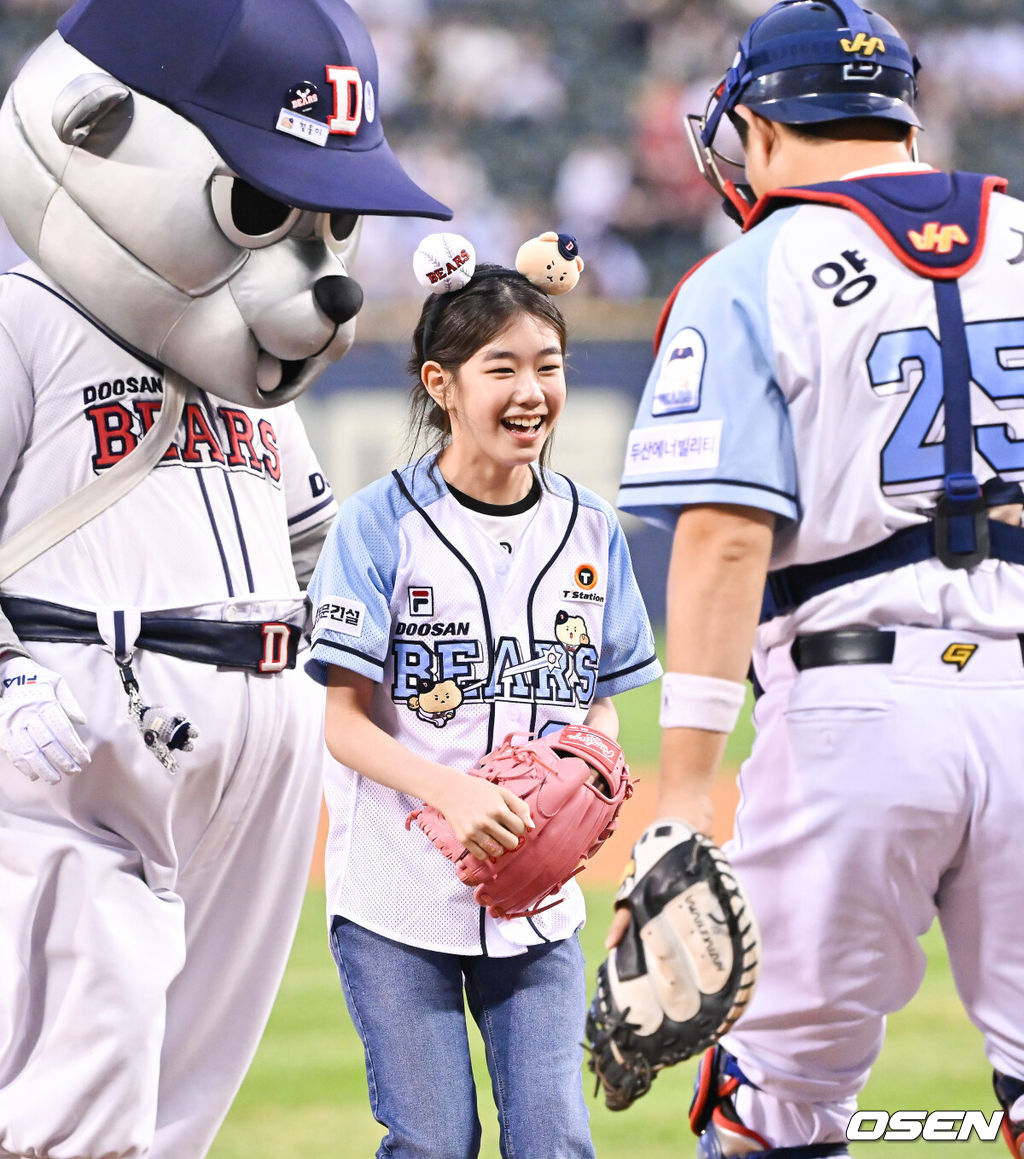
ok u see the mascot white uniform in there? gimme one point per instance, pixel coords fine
(186, 177)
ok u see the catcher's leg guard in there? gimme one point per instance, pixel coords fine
(1008, 1092)
(720, 1131)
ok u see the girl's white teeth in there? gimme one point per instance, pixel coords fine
(522, 424)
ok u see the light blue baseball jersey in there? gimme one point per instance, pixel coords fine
(798, 374)
(465, 643)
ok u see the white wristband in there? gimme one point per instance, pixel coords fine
(691, 701)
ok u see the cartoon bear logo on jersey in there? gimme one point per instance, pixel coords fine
(571, 631)
(436, 701)
(198, 198)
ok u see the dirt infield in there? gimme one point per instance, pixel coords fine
(606, 867)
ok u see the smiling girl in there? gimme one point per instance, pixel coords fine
(436, 602)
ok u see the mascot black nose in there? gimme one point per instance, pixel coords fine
(339, 297)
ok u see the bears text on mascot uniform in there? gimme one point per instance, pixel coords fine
(186, 179)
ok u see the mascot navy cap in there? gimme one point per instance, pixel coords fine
(286, 90)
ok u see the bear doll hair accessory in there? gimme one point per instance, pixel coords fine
(446, 262)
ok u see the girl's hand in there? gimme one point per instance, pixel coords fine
(486, 818)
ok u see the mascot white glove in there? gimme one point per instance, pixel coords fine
(38, 715)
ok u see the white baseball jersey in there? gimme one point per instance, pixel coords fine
(793, 376)
(465, 643)
(801, 373)
(220, 505)
(147, 915)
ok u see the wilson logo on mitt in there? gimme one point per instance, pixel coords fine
(575, 782)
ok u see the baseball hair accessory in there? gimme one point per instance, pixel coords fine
(445, 264)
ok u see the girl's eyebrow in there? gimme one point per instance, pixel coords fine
(501, 355)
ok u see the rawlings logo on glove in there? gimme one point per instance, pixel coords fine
(574, 782)
(684, 971)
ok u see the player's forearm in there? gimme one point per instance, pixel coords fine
(716, 582)
(604, 717)
(354, 740)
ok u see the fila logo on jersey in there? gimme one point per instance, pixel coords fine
(19, 681)
(936, 238)
(861, 43)
(421, 601)
(959, 654)
(227, 436)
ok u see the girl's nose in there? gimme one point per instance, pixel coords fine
(528, 389)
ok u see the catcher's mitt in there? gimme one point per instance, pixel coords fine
(574, 781)
(685, 969)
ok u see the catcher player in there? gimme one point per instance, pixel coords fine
(450, 574)
(161, 761)
(849, 430)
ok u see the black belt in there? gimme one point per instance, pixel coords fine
(850, 646)
(259, 647)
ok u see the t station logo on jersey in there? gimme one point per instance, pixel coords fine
(224, 435)
(585, 581)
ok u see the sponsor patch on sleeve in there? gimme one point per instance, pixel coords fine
(677, 389)
(674, 447)
(339, 615)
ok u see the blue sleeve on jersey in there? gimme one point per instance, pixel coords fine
(628, 658)
(350, 592)
(712, 426)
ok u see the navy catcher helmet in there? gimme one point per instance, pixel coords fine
(809, 61)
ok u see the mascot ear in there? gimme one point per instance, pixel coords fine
(84, 102)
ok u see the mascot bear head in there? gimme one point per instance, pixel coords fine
(192, 173)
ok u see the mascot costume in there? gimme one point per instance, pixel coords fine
(186, 178)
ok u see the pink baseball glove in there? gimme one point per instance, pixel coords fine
(574, 781)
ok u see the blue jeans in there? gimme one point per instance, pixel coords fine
(407, 1006)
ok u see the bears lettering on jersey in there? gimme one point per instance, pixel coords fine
(227, 436)
(561, 671)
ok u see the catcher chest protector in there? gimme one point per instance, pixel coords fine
(909, 212)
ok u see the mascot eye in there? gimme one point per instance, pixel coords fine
(342, 225)
(248, 217)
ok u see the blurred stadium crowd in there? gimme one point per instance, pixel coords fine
(569, 114)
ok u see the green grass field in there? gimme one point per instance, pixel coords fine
(305, 1096)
